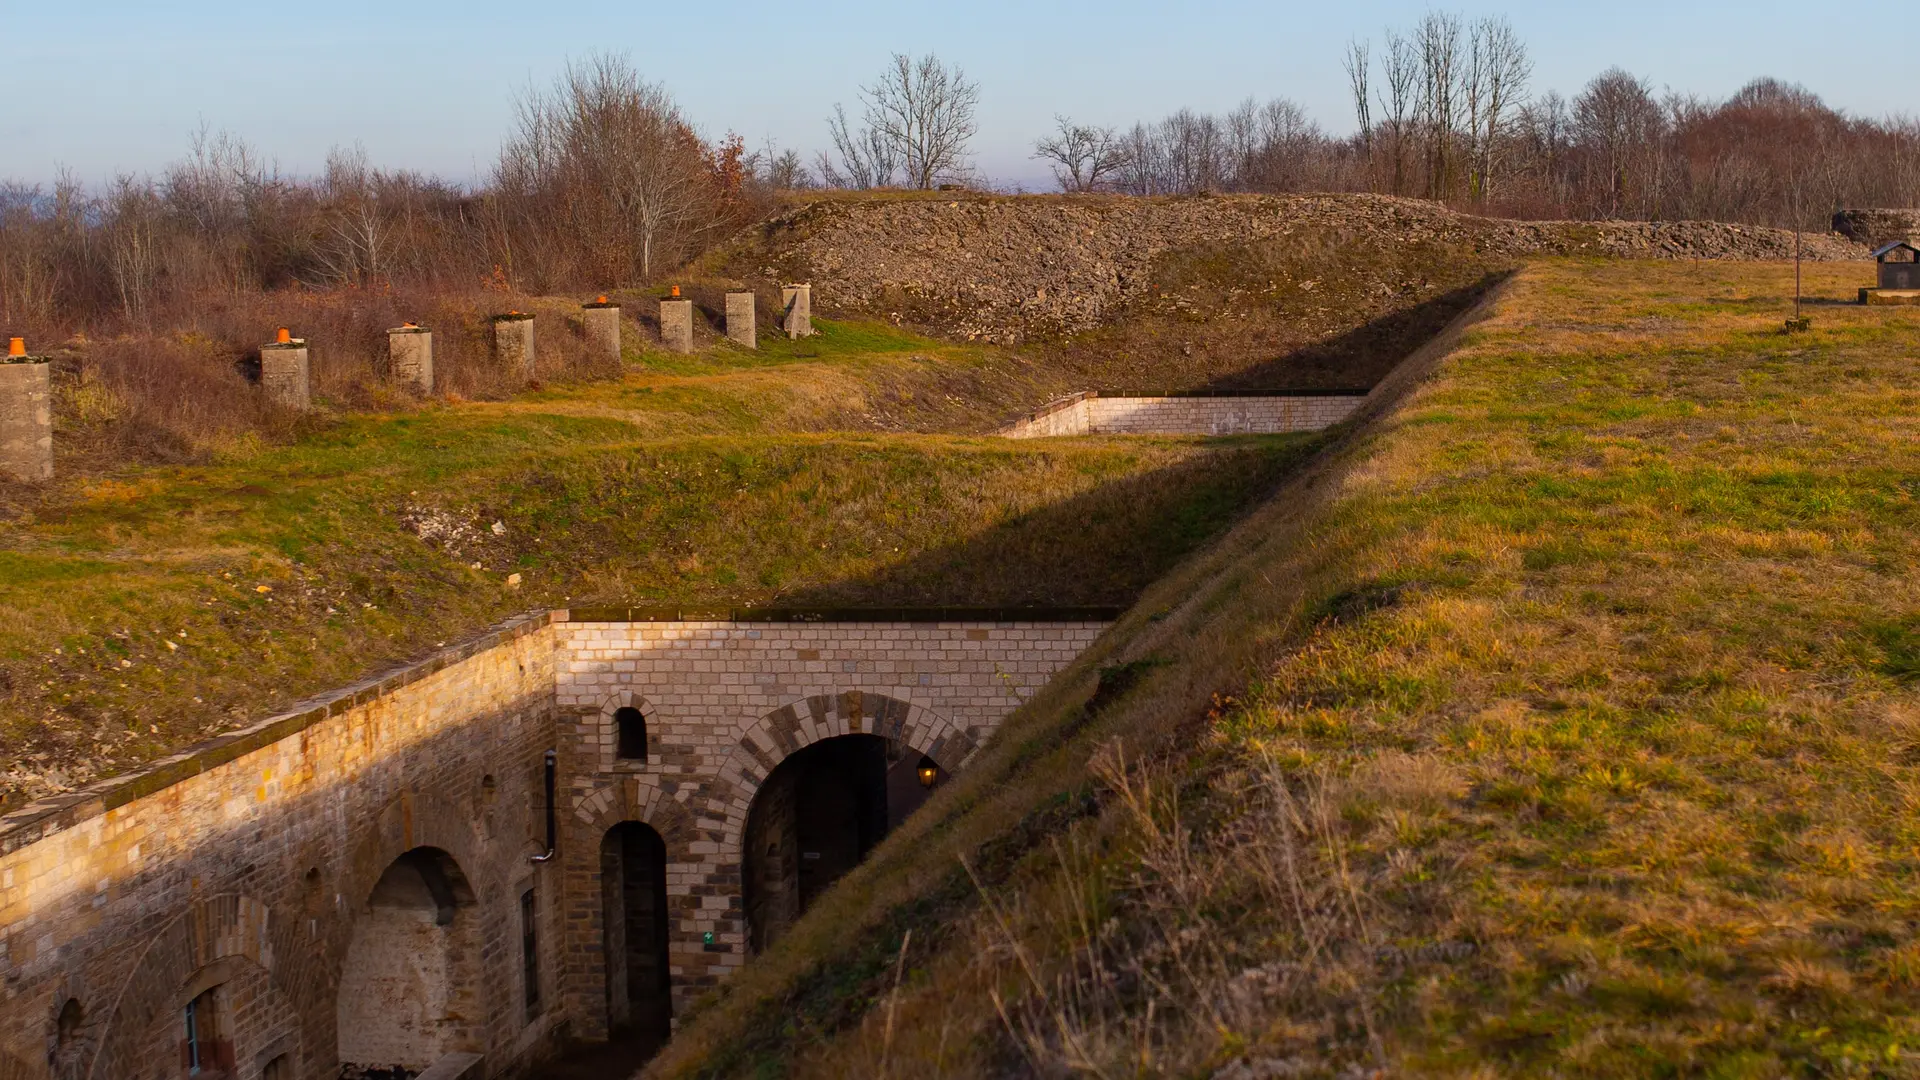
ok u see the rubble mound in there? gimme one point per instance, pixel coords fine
(1875, 227)
(1005, 268)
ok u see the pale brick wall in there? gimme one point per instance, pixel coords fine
(261, 847)
(725, 703)
(1179, 415)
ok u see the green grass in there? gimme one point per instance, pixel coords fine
(1565, 724)
(156, 606)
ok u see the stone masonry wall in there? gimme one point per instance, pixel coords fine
(725, 702)
(247, 863)
(253, 857)
(1090, 414)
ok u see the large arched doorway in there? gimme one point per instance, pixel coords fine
(633, 895)
(408, 988)
(817, 815)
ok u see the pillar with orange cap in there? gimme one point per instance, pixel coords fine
(513, 343)
(600, 322)
(284, 371)
(676, 323)
(410, 357)
(26, 414)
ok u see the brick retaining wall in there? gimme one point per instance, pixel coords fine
(246, 862)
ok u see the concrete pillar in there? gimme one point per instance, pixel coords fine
(601, 321)
(283, 371)
(513, 343)
(740, 320)
(676, 325)
(26, 414)
(796, 317)
(410, 351)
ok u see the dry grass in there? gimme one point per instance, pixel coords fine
(1570, 732)
(152, 606)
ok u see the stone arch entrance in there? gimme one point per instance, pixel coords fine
(755, 787)
(814, 818)
(635, 924)
(408, 989)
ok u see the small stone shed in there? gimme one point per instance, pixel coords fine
(1899, 266)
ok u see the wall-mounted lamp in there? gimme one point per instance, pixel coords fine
(929, 772)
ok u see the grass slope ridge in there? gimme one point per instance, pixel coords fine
(1565, 722)
(155, 607)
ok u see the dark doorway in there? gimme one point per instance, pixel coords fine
(814, 819)
(633, 884)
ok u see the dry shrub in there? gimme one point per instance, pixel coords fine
(191, 393)
(1254, 936)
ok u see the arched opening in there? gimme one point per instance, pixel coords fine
(633, 889)
(67, 1028)
(407, 988)
(814, 818)
(630, 734)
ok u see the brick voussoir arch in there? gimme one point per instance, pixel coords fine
(414, 820)
(763, 744)
(207, 930)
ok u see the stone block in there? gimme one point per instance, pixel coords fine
(513, 343)
(410, 355)
(284, 374)
(26, 417)
(740, 320)
(796, 310)
(676, 325)
(601, 322)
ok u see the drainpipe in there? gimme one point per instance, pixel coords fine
(551, 831)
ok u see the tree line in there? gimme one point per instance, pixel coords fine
(1444, 110)
(603, 181)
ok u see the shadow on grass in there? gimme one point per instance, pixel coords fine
(1098, 549)
(1362, 356)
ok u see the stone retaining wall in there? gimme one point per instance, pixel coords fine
(1225, 414)
(246, 863)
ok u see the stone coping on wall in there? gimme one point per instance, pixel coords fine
(44, 817)
(840, 615)
(1077, 397)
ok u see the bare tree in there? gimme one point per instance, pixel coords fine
(1081, 156)
(1438, 39)
(1402, 71)
(1359, 66)
(867, 158)
(1619, 124)
(133, 246)
(919, 117)
(355, 247)
(608, 161)
(1498, 68)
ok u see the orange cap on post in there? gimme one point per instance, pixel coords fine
(601, 299)
(17, 346)
(676, 291)
(284, 337)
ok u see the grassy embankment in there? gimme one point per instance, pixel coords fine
(1564, 723)
(150, 606)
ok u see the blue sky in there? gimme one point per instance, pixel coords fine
(114, 86)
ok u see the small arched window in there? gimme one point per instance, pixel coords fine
(630, 734)
(67, 1028)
